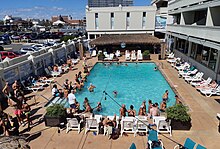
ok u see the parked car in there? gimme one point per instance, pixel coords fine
(25, 50)
(38, 46)
(4, 39)
(8, 54)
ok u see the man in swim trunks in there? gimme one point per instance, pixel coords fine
(91, 87)
(165, 95)
(123, 111)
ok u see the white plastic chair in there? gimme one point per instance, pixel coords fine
(128, 125)
(93, 53)
(142, 125)
(92, 125)
(52, 73)
(164, 126)
(72, 124)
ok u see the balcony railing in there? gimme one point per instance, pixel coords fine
(205, 32)
(174, 4)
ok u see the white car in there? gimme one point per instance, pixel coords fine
(38, 46)
(25, 50)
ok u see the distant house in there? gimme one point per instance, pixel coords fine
(68, 21)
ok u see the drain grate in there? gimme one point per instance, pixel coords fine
(217, 100)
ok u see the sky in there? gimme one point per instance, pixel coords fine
(44, 9)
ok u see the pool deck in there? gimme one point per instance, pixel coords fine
(203, 112)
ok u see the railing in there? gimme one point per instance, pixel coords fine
(206, 32)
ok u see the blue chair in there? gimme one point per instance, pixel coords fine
(152, 137)
(133, 146)
(189, 144)
(200, 147)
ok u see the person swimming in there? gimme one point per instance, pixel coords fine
(91, 87)
(115, 93)
(155, 68)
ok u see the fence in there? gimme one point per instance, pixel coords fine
(22, 67)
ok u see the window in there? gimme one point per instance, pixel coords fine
(96, 21)
(193, 50)
(144, 20)
(112, 20)
(182, 46)
(213, 58)
(128, 20)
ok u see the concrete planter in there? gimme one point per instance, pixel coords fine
(53, 121)
(178, 125)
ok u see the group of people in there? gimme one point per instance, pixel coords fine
(15, 98)
(153, 108)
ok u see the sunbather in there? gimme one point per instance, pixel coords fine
(212, 85)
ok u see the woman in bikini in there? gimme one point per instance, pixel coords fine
(131, 111)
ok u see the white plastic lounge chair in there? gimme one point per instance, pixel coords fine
(127, 56)
(139, 55)
(170, 56)
(72, 124)
(210, 92)
(164, 126)
(47, 81)
(182, 67)
(117, 53)
(188, 73)
(202, 83)
(52, 73)
(109, 57)
(133, 56)
(195, 78)
(32, 88)
(93, 53)
(128, 125)
(92, 125)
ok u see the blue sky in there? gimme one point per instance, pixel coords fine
(47, 8)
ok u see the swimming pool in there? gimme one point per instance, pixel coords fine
(134, 83)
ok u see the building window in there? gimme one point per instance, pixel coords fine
(96, 21)
(193, 50)
(128, 20)
(144, 20)
(182, 46)
(213, 58)
(112, 20)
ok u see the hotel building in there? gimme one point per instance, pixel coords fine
(120, 20)
(194, 34)
(109, 3)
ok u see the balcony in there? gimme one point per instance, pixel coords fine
(174, 4)
(162, 10)
(206, 32)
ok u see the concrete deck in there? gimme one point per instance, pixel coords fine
(203, 112)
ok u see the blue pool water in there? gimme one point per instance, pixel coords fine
(134, 83)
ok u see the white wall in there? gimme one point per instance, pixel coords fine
(120, 15)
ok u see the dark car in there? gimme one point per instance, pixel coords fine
(4, 39)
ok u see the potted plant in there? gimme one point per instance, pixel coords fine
(101, 56)
(55, 115)
(146, 55)
(179, 116)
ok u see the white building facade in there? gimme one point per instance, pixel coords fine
(120, 20)
(162, 18)
(194, 34)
